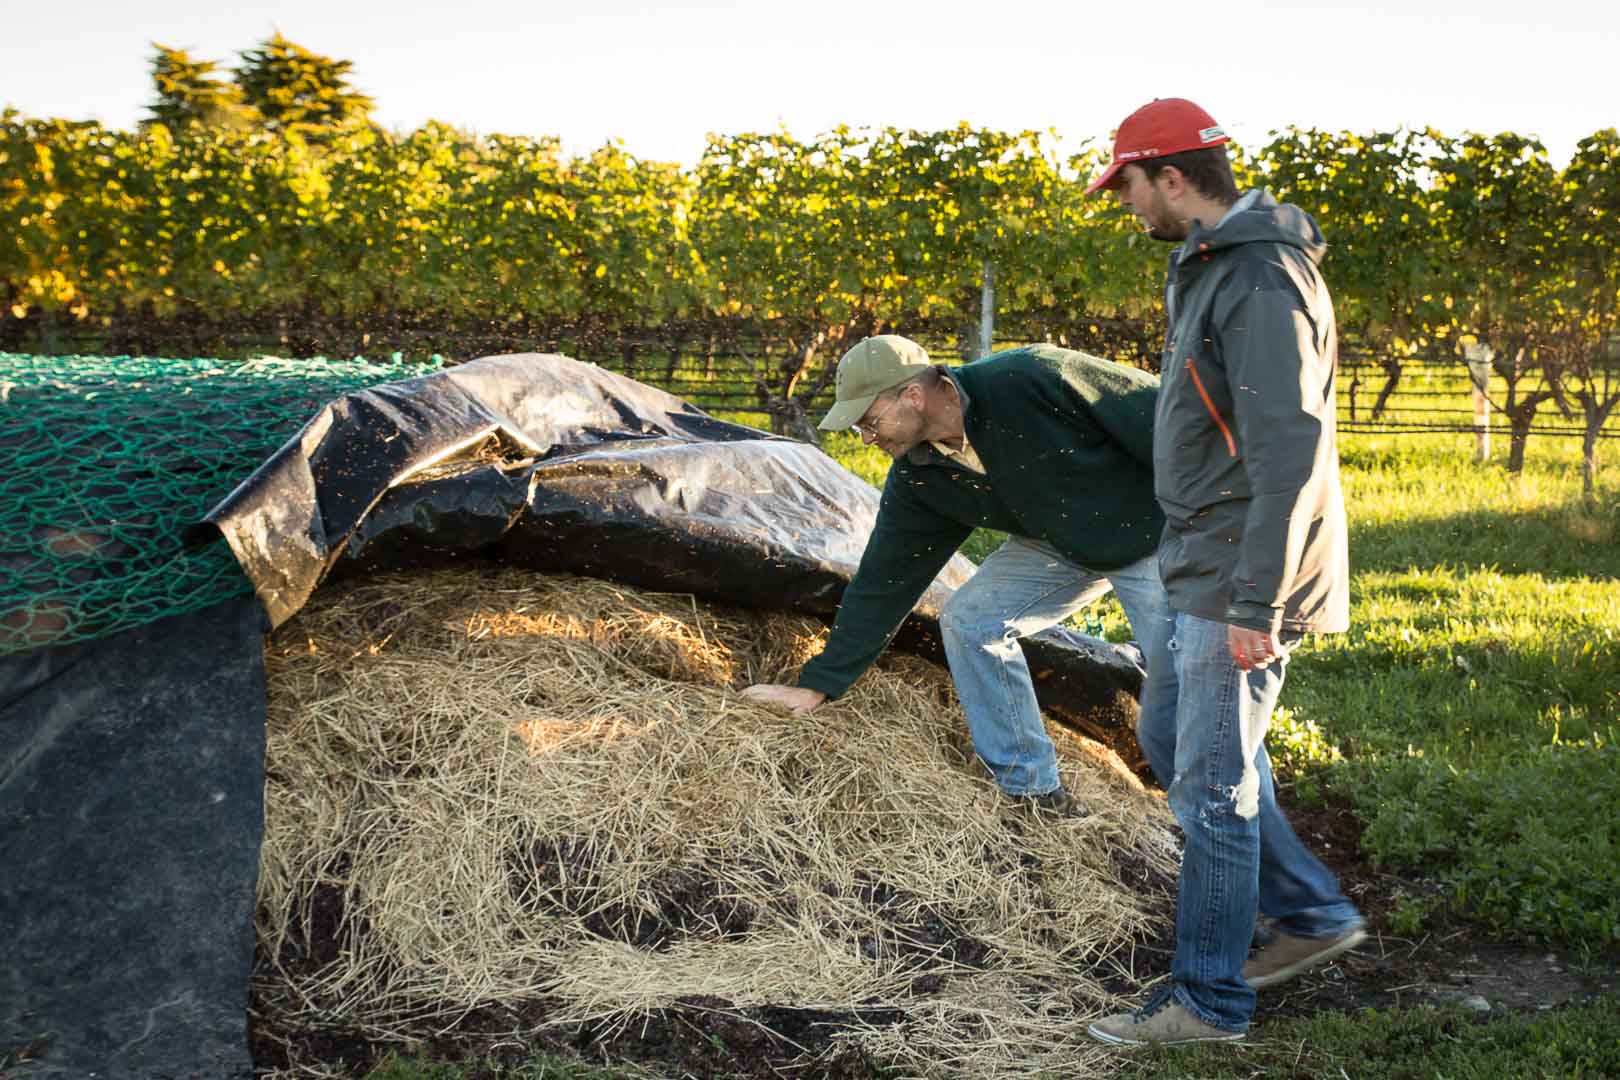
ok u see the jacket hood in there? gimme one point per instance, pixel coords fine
(1263, 220)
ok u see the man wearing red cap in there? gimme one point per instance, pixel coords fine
(1254, 556)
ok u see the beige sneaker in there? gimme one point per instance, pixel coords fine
(1286, 956)
(1168, 1024)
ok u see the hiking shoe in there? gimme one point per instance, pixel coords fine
(1167, 1023)
(1288, 956)
(1057, 802)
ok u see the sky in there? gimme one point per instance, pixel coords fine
(659, 76)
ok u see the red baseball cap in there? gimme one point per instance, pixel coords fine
(1160, 128)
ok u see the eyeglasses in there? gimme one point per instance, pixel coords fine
(869, 426)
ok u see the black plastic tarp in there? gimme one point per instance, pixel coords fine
(542, 461)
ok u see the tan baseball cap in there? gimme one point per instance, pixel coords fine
(871, 367)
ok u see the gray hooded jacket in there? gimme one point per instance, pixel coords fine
(1246, 460)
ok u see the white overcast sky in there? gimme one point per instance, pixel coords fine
(660, 76)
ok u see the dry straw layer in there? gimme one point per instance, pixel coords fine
(491, 787)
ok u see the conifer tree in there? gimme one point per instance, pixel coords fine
(296, 90)
(192, 92)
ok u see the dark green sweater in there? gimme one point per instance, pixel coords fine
(1066, 441)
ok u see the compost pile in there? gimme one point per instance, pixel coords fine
(504, 806)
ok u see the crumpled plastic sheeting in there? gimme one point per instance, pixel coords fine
(558, 453)
(542, 461)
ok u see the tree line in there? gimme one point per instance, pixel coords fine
(268, 193)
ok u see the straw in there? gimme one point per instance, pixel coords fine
(491, 787)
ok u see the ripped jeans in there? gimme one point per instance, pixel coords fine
(1240, 854)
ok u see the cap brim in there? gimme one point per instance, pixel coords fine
(846, 414)
(1105, 180)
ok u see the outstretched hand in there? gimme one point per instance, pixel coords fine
(796, 699)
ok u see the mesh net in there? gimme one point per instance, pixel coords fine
(110, 458)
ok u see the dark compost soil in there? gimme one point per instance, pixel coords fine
(708, 1038)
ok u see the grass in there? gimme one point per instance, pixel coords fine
(1474, 706)
(1424, 1043)
(549, 1067)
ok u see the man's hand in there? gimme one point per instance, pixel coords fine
(1252, 649)
(796, 699)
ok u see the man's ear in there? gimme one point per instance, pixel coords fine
(1172, 181)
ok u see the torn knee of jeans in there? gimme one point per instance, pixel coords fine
(1240, 800)
(1245, 794)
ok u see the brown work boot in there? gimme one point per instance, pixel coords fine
(1164, 1023)
(1287, 956)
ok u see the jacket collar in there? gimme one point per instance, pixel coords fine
(1255, 218)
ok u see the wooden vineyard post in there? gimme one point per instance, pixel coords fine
(1479, 374)
(987, 311)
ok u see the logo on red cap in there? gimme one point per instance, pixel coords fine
(1160, 128)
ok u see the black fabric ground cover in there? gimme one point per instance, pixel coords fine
(131, 811)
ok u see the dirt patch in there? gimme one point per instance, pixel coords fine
(1455, 962)
(697, 1037)
(708, 1037)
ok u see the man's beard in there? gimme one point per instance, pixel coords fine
(1161, 224)
(898, 450)
(905, 442)
(1166, 228)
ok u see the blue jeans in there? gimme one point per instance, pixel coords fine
(1024, 587)
(1240, 855)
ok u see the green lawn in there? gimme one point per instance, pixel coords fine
(1425, 1043)
(1475, 703)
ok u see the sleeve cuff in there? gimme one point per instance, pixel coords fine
(1255, 617)
(811, 679)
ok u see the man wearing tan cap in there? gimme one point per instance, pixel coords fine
(1254, 556)
(1050, 446)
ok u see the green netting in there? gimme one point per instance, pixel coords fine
(108, 459)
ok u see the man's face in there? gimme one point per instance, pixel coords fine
(894, 423)
(1148, 201)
